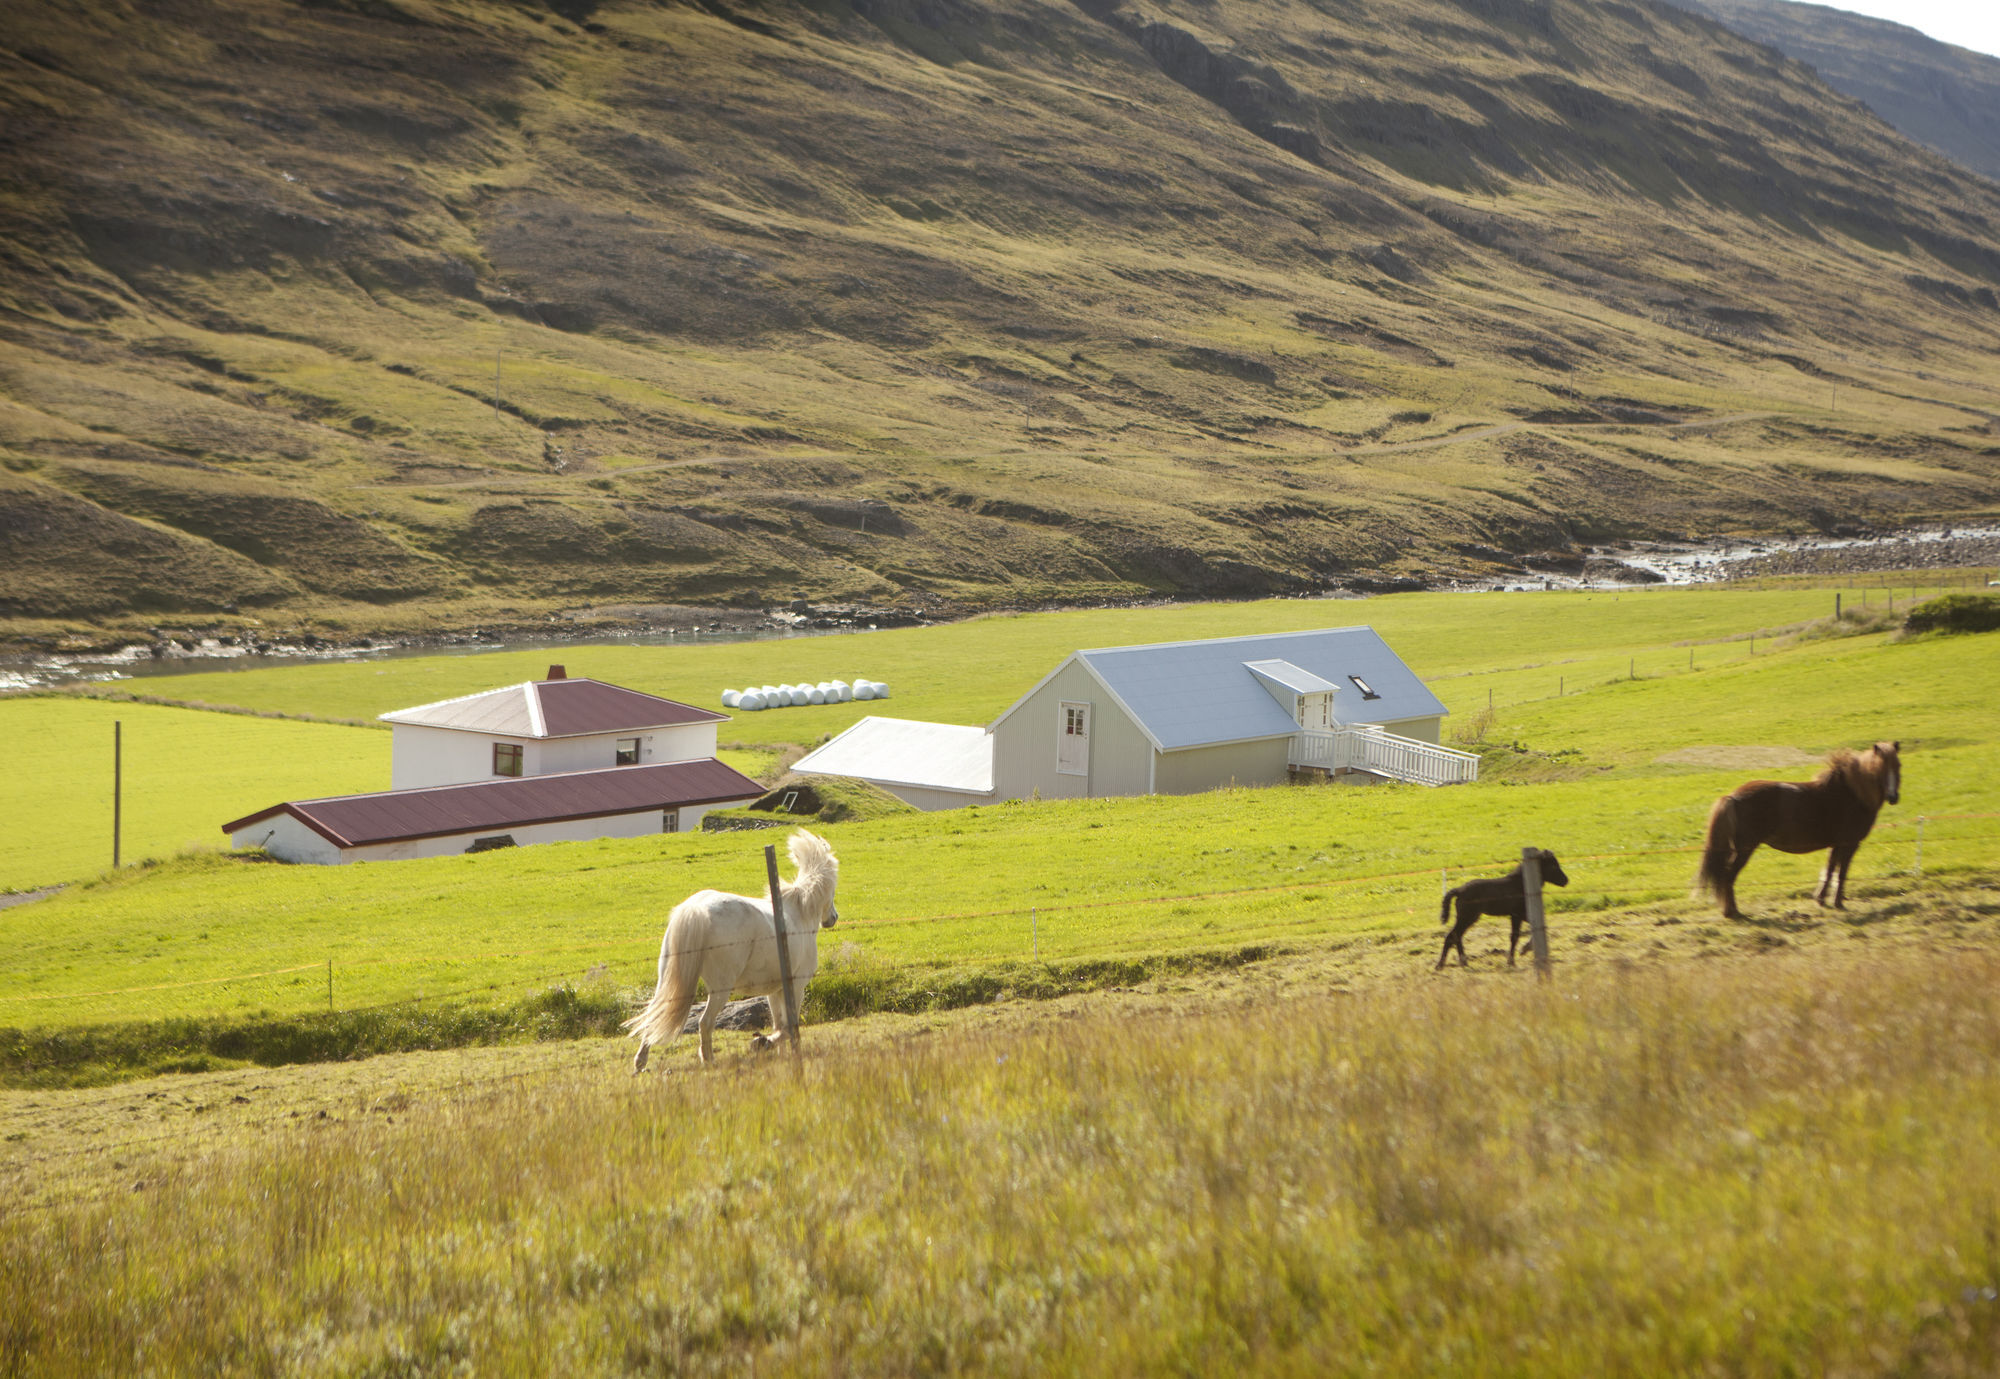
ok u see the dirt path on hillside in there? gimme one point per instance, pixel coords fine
(1477, 433)
(1508, 428)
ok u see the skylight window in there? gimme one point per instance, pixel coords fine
(1362, 685)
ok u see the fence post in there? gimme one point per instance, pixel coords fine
(329, 986)
(788, 1014)
(1920, 845)
(1531, 885)
(117, 786)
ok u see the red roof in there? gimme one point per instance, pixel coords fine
(570, 707)
(554, 708)
(391, 816)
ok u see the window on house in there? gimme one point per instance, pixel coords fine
(506, 758)
(670, 821)
(1362, 685)
(628, 751)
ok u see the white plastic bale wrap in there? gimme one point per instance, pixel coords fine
(818, 696)
(862, 690)
(842, 691)
(731, 699)
(750, 700)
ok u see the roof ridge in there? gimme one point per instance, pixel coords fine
(457, 699)
(1212, 641)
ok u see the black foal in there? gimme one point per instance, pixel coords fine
(1505, 895)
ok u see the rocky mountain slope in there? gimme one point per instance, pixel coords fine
(1937, 93)
(397, 313)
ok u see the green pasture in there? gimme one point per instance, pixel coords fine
(185, 774)
(1522, 646)
(1058, 880)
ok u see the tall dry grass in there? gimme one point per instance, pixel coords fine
(1787, 1165)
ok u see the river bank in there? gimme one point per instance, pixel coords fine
(166, 651)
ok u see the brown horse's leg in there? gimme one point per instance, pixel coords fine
(1737, 862)
(1826, 875)
(1519, 922)
(1457, 936)
(1845, 858)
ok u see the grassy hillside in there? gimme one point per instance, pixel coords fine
(394, 315)
(1618, 778)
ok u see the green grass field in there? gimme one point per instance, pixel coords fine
(1517, 645)
(185, 774)
(1088, 879)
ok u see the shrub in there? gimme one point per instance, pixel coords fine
(1955, 613)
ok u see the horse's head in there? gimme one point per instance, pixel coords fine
(1889, 769)
(1552, 870)
(818, 872)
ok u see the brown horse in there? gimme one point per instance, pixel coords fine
(1834, 811)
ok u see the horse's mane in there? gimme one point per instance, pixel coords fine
(1861, 773)
(817, 869)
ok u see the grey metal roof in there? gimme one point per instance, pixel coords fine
(902, 751)
(1196, 694)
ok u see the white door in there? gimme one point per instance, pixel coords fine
(1073, 740)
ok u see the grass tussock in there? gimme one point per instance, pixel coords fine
(1785, 1165)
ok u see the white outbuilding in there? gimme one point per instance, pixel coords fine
(1172, 718)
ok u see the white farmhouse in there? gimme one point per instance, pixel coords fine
(549, 760)
(1172, 718)
(540, 727)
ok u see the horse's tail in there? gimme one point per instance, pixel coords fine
(1719, 849)
(1444, 910)
(680, 968)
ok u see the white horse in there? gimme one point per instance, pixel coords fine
(728, 942)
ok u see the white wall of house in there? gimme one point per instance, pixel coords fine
(1026, 745)
(640, 824)
(288, 840)
(1195, 769)
(1429, 729)
(682, 742)
(422, 756)
(929, 798)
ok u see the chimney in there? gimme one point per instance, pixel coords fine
(558, 673)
